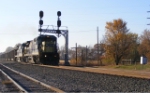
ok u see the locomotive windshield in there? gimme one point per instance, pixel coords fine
(49, 46)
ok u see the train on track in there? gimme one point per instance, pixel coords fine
(42, 49)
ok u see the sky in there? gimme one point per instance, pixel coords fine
(19, 19)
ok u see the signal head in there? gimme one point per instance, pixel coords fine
(58, 13)
(58, 23)
(41, 22)
(41, 14)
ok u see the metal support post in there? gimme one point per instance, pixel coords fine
(66, 46)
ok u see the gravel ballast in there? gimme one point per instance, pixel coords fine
(76, 81)
(6, 85)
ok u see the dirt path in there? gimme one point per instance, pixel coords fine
(112, 71)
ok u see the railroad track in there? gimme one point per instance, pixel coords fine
(75, 79)
(25, 83)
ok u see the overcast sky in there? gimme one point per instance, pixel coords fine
(19, 18)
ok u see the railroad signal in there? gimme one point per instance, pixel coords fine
(41, 14)
(58, 23)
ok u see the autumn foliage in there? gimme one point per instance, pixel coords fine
(118, 40)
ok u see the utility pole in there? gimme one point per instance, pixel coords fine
(76, 54)
(98, 45)
(86, 56)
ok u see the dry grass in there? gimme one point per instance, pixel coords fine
(82, 63)
(107, 64)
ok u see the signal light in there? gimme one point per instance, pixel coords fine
(58, 13)
(41, 14)
(41, 22)
(58, 23)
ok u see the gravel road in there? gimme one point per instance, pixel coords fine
(76, 81)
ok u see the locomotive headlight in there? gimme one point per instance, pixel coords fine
(45, 55)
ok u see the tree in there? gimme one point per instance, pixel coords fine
(118, 40)
(144, 47)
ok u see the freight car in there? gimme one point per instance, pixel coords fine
(43, 49)
(9, 55)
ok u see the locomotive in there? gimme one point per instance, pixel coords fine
(43, 49)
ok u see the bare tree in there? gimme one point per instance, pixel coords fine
(144, 48)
